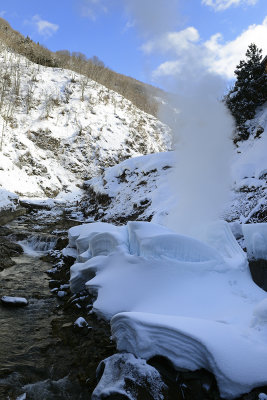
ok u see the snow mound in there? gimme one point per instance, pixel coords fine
(192, 301)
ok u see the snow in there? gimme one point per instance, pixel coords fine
(192, 301)
(22, 397)
(59, 140)
(80, 322)
(141, 187)
(255, 236)
(8, 200)
(15, 301)
(122, 368)
(237, 360)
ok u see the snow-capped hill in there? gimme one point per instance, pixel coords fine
(58, 127)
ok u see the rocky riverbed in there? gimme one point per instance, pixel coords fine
(42, 352)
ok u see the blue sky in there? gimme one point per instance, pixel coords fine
(111, 30)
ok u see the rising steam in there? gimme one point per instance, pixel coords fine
(202, 130)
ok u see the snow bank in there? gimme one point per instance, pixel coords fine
(191, 301)
(237, 360)
(8, 200)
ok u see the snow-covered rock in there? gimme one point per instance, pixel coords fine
(14, 301)
(80, 323)
(124, 374)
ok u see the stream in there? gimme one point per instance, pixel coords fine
(42, 355)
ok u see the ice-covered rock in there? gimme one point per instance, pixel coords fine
(256, 240)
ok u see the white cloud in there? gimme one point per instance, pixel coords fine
(214, 55)
(44, 28)
(172, 41)
(2, 13)
(91, 8)
(225, 56)
(220, 5)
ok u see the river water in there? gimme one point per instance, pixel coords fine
(38, 360)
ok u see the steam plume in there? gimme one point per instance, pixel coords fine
(203, 127)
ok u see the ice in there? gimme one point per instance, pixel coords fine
(256, 240)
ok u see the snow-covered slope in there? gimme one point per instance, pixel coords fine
(137, 188)
(57, 128)
(249, 195)
(140, 188)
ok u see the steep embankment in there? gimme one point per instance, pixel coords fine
(58, 127)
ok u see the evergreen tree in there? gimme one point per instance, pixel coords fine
(249, 91)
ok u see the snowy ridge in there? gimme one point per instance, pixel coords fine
(58, 127)
(191, 301)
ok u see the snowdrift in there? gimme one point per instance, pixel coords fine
(192, 301)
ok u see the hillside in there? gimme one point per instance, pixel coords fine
(142, 95)
(58, 128)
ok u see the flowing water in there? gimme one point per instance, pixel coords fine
(34, 362)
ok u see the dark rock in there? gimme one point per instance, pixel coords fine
(8, 249)
(61, 243)
(8, 215)
(258, 269)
